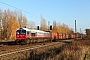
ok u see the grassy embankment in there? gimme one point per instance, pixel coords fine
(77, 50)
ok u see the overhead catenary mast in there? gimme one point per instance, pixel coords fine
(48, 25)
(75, 29)
(41, 21)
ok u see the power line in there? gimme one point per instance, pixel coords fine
(18, 9)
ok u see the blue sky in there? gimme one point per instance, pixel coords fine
(63, 11)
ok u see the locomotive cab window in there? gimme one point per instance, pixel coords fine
(32, 34)
(27, 32)
(21, 32)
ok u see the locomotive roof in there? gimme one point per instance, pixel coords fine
(32, 30)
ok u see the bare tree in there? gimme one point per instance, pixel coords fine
(12, 27)
(43, 25)
(31, 24)
(10, 24)
(54, 26)
(71, 30)
(20, 20)
(10, 21)
(0, 19)
(5, 21)
(62, 28)
(24, 21)
(1, 24)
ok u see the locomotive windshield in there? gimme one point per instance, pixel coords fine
(21, 31)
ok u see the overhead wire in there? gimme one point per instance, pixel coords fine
(19, 9)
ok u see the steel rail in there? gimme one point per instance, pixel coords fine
(25, 49)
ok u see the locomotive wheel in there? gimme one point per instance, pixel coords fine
(16, 42)
(27, 41)
(32, 41)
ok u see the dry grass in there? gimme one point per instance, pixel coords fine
(77, 50)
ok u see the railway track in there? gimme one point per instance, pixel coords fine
(11, 47)
(11, 50)
(4, 53)
(66, 41)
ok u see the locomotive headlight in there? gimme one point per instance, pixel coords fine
(17, 36)
(17, 32)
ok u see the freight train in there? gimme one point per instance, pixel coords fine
(25, 35)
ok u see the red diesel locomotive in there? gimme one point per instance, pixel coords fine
(28, 36)
(24, 35)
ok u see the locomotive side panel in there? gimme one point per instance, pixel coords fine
(31, 36)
